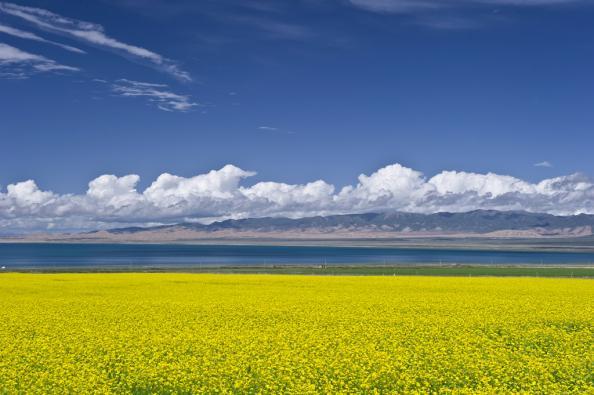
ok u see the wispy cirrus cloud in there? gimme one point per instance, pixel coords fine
(416, 6)
(545, 163)
(454, 14)
(17, 64)
(91, 33)
(157, 94)
(448, 22)
(32, 36)
(275, 29)
(274, 129)
(397, 6)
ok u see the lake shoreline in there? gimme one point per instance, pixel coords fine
(574, 245)
(456, 270)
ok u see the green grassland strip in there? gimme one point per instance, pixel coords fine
(354, 270)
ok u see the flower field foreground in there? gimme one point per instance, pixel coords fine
(189, 333)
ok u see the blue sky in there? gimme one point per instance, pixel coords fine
(296, 91)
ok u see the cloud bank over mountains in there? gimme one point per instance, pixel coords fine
(112, 201)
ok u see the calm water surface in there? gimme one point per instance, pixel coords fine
(77, 255)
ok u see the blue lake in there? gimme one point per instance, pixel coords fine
(77, 255)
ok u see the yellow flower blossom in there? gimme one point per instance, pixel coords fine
(261, 334)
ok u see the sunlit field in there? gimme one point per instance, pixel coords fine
(194, 333)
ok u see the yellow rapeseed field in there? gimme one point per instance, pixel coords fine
(197, 333)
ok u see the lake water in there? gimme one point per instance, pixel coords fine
(140, 255)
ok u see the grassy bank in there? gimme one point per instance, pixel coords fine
(343, 270)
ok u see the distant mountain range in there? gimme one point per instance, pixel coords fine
(480, 223)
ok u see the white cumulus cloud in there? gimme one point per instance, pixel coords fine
(112, 201)
(489, 184)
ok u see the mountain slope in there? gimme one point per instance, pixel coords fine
(474, 222)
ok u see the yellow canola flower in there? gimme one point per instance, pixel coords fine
(263, 334)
